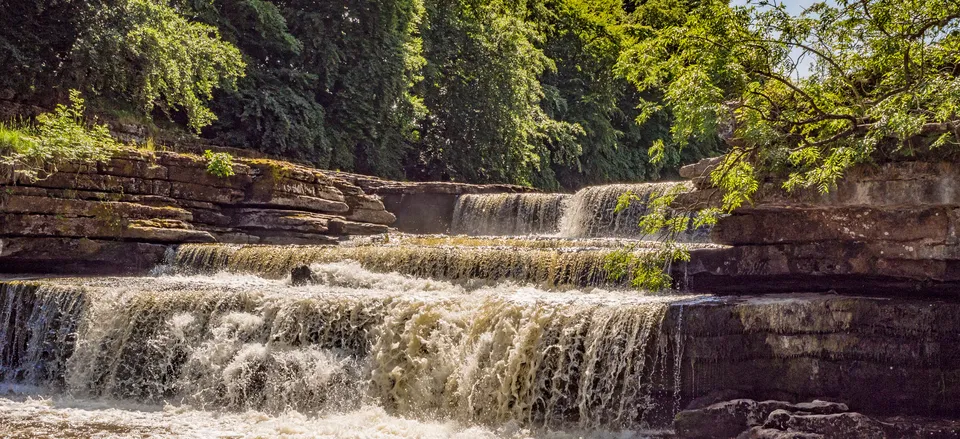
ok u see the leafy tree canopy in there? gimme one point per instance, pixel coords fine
(141, 52)
(882, 82)
(524, 92)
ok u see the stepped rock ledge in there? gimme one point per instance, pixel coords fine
(888, 228)
(121, 216)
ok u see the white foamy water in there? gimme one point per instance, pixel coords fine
(62, 418)
(357, 354)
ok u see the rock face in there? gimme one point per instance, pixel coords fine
(880, 356)
(119, 216)
(890, 228)
(425, 207)
(749, 419)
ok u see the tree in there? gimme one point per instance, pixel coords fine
(329, 83)
(482, 92)
(882, 84)
(586, 39)
(141, 52)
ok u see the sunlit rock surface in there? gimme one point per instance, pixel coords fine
(86, 218)
(885, 229)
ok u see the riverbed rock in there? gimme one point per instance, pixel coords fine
(749, 419)
(731, 418)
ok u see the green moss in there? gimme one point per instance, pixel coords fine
(107, 215)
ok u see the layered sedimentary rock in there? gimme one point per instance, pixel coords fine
(891, 226)
(119, 215)
(879, 356)
(749, 419)
(424, 207)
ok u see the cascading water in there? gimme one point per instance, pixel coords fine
(395, 336)
(492, 355)
(591, 210)
(508, 214)
(586, 214)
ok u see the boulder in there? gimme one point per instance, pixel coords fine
(731, 418)
(301, 275)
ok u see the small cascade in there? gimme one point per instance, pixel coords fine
(544, 267)
(508, 214)
(37, 330)
(415, 347)
(590, 212)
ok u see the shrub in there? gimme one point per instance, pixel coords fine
(219, 163)
(62, 136)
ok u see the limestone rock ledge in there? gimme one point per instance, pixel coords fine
(119, 216)
(423, 207)
(749, 419)
(892, 226)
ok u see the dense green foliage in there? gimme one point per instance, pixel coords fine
(526, 92)
(141, 53)
(59, 137)
(883, 83)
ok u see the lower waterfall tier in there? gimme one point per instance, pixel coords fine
(415, 347)
(399, 346)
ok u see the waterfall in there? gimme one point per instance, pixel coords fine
(37, 329)
(586, 214)
(510, 336)
(591, 210)
(508, 214)
(549, 268)
(415, 347)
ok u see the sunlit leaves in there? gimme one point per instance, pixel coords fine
(165, 60)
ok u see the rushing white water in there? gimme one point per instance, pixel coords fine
(358, 348)
(67, 418)
(586, 214)
(508, 214)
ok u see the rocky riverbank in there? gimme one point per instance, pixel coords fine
(889, 228)
(120, 215)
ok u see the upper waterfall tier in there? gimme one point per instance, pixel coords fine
(587, 213)
(508, 214)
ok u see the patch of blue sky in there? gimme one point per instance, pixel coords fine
(795, 7)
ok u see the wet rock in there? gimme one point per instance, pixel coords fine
(748, 419)
(772, 433)
(730, 418)
(721, 420)
(828, 426)
(71, 256)
(301, 275)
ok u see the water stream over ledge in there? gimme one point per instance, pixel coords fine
(500, 360)
(437, 336)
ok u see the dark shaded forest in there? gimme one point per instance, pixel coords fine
(526, 92)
